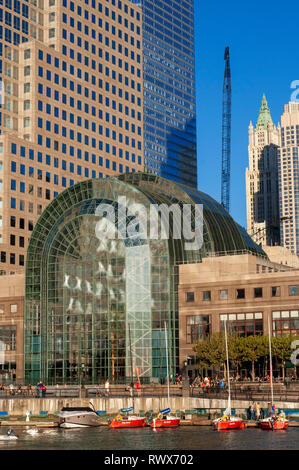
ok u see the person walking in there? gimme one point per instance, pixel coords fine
(253, 411)
(258, 411)
(107, 388)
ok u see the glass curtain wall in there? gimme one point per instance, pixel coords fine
(92, 300)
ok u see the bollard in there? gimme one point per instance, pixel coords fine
(27, 416)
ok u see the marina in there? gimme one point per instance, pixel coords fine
(180, 438)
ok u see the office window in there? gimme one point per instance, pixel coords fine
(293, 290)
(223, 294)
(243, 324)
(285, 322)
(240, 293)
(258, 292)
(206, 295)
(198, 328)
(189, 296)
(276, 291)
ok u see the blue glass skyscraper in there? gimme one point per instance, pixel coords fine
(169, 89)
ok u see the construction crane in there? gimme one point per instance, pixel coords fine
(226, 133)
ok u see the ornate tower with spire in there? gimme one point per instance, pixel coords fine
(262, 198)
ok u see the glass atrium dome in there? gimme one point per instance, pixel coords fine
(101, 285)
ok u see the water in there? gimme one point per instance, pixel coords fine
(181, 438)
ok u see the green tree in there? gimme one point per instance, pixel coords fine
(252, 348)
(281, 349)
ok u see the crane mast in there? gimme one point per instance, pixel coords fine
(226, 133)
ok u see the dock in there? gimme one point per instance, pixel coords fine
(38, 424)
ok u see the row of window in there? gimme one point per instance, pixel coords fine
(240, 293)
(54, 161)
(12, 258)
(93, 4)
(286, 322)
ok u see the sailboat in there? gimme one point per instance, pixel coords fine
(123, 418)
(273, 422)
(227, 421)
(164, 419)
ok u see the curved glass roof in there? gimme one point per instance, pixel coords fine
(221, 234)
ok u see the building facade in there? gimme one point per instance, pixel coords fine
(169, 106)
(94, 304)
(12, 329)
(244, 291)
(72, 109)
(289, 177)
(78, 78)
(263, 220)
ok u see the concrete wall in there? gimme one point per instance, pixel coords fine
(19, 407)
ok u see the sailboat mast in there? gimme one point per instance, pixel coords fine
(166, 346)
(132, 382)
(227, 364)
(270, 354)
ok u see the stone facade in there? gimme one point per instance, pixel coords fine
(12, 328)
(72, 110)
(262, 179)
(244, 290)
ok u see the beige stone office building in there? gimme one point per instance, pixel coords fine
(72, 106)
(289, 177)
(244, 290)
(12, 328)
(262, 179)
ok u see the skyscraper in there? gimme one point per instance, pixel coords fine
(72, 109)
(289, 177)
(169, 89)
(262, 179)
(92, 88)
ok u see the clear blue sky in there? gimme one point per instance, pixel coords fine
(264, 49)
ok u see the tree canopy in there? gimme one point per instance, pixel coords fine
(212, 352)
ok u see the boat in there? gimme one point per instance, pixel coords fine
(164, 419)
(273, 422)
(77, 417)
(124, 420)
(9, 436)
(227, 421)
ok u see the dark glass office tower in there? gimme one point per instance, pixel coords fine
(169, 89)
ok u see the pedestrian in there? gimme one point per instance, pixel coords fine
(138, 388)
(107, 388)
(250, 412)
(29, 387)
(269, 410)
(262, 413)
(44, 390)
(258, 411)
(254, 411)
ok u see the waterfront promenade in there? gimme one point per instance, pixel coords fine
(183, 399)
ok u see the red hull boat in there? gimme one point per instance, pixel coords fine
(129, 422)
(227, 421)
(274, 424)
(232, 423)
(168, 422)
